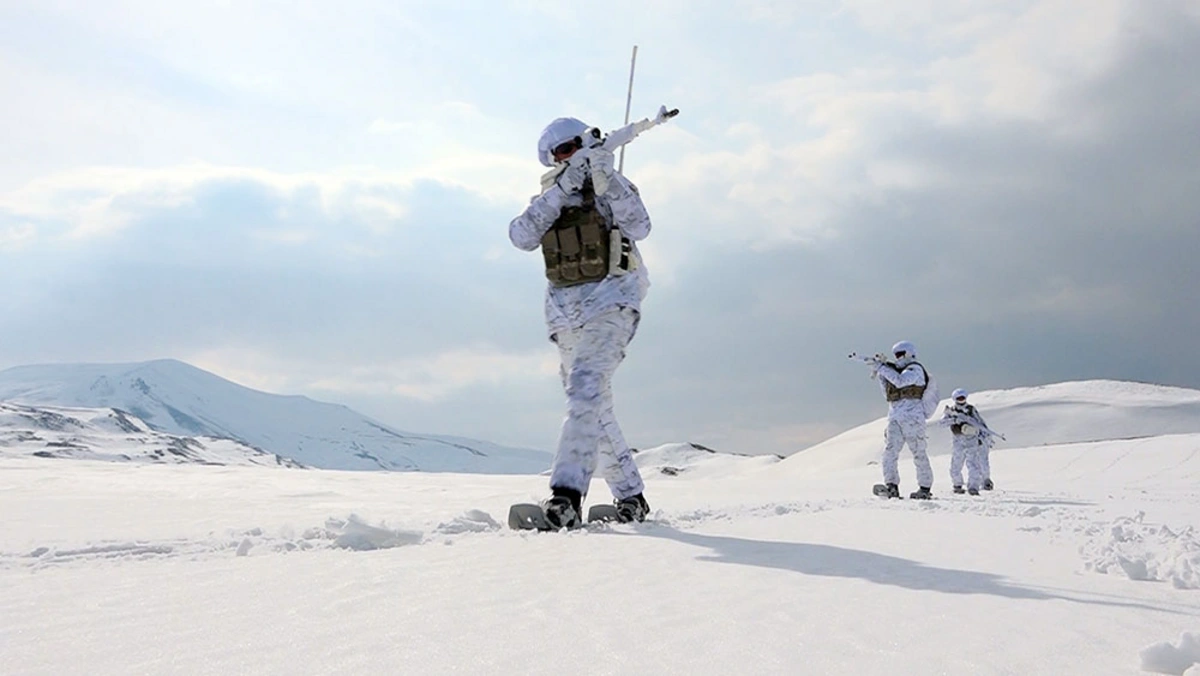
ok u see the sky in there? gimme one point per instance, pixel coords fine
(313, 198)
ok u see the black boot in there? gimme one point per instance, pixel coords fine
(564, 508)
(893, 491)
(973, 491)
(988, 485)
(633, 508)
(959, 490)
(921, 493)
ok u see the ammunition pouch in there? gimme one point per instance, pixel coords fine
(579, 247)
(576, 247)
(911, 392)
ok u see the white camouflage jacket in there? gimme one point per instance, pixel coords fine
(906, 374)
(572, 306)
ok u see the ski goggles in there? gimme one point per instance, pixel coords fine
(565, 148)
(900, 354)
(961, 400)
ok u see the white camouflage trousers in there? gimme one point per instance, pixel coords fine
(590, 434)
(899, 432)
(985, 463)
(974, 452)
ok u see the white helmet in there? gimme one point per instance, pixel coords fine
(555, 134)
(904, 350)
(960, 393)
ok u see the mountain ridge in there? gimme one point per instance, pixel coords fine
(110, 434)
(177, 398)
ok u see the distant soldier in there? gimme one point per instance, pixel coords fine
(971, 443)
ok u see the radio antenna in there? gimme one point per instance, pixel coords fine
(628, 101)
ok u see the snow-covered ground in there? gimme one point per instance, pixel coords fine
(1085, 560)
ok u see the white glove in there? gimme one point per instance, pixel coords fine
(572, 178)
(664, 115)
(600, 164)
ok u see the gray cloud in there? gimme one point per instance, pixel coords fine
(1035, 257)
(223, 261)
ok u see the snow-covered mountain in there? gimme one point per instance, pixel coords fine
(1062, 413)
(178, 399)
(112, 434)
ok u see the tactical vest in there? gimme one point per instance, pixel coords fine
(911, 391)
(956, 428)
(576, 247)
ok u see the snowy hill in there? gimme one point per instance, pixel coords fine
(178, 399)
(1062, 413)
(111, 434)
(1084, 560)
(696, 460)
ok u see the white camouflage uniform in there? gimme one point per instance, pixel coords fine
(971, 449)
(591, 324)
(906, 423)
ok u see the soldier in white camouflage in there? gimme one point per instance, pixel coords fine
(972, 439)
(596, 282)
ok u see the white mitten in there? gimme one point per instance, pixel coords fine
(571, 179)
(600, 163)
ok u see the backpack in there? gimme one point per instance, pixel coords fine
(931, 396)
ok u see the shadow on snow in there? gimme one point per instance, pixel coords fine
(831, 561)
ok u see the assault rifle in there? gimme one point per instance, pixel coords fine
(956, 418)
(619, 137)
(595, 144)
(878, 360)
(875, 362)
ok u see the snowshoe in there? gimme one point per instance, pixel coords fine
(528, 516)
(560, 511)
(921, 493)
(886, 490)
(603, 514)
(959, 490)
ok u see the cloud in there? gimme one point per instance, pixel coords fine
(1008, 184)
(1012, 249)
(17, 236)
(218, 249)
(358, 287)
(432, 378)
